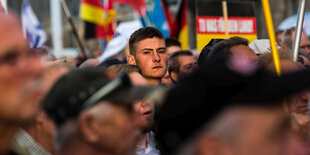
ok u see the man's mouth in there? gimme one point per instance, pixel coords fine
(148, 113)
(157, 67)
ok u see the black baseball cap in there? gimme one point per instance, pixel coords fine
(83, 88)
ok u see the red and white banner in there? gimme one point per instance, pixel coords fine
(236, 25)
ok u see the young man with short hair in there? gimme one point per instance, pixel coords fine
(148, 51)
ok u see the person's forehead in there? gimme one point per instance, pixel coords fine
(151, 43)
(172, 49)
(11, 36)
(304, 39)
(186, 59)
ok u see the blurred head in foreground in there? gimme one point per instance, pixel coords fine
(230, 106)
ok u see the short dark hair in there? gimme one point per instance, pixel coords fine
(172, 42)
(141, 34)
(173, 62)
(225, 45)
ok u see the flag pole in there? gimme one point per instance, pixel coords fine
(298, 30)
(225, 14)
(272, 39)
(269, 24)
(73, 27)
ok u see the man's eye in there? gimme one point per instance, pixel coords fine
(147, 52)
(188, 66)
(162, 51)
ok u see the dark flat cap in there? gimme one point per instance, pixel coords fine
(81, 89)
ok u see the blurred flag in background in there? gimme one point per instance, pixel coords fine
(138, 5)
(157, 17)
(33, 32)
(98, 16)
(181, 22)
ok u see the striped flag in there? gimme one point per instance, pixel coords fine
(33, 32)
(182, 34)
(157, 17)
(98, 18)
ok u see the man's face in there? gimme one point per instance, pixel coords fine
(145, 110)
(304, 42)
(151, 57)
(18, 90)
(187, 65)
(268, 132)
(119, 128)
(245, 51)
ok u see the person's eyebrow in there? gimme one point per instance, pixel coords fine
(161, 48)
(147, 49)
(151, 49)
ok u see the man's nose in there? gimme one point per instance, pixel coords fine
(156, 57)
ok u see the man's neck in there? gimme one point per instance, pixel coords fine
(153, 81)
(7, 134)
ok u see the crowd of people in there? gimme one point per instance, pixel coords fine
(158, 99)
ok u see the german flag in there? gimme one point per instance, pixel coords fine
(182, 25)
(98, 19)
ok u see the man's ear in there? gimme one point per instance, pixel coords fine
(88, 125)
(131, 59)
(174, 76)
